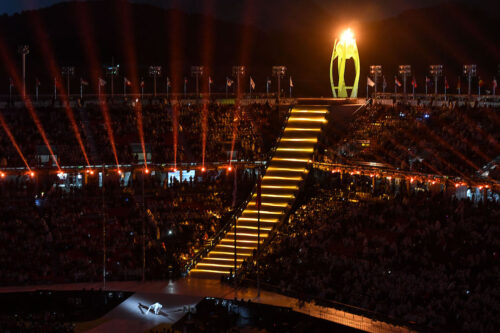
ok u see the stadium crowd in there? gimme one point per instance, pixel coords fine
(57, 236)
(452, 140)
(422, 256)
(256, 127)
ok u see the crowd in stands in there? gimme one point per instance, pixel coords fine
(57, 236)
(255, 126)
(423, 257)
(452, 140)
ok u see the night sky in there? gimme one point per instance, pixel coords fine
(362, 10)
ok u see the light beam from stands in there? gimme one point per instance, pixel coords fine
(128, 44)
(95, 68)
(55, 71)
(175, 29)
(13, 141)
(7, 60)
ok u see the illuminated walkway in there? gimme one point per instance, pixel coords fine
(279, 186)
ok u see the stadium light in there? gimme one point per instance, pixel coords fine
(375, 72)
(68, 71)
(279, 72)
(237, 72)
(112, 71)
(470, 71)
(197, 71)
(436, 71)
(404, 71)
(154, 71)
(24, 50)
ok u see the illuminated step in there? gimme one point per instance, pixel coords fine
(230, 253)
(300, 129)
(305, 150)
(283, 178)
(237, 246)
(266, 212)
(280, 204)
(225, 259)
(201, 270)
(247, 234)
(254, 228)
(316, 119)
(300, 140)
(265, 195)
(309, 111)
(229, 240)
(286, 169)
(305, 160)
(214, 265)
(255, 219)
(284, 187)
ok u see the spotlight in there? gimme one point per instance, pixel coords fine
(229, 168)
(32, 174)
(2, 174)
(146, 171)
(203, 169)
(119, 172)
(91, 172)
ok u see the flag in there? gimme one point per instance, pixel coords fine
(252, 83)
(291, 82)
(369, 82)
(414, 83)
(384, 83)
(84, 83)
(268, 81)
(396, 81)
(229, 82)
(37, 82)
(127, 82)
(446, 85)
(11, 83)
(458, 84)
(102, 83)
(185, 80)
(481, 82)
(142, 84)
(168, 82)
(427, 80)
(210, 81)
(494, 83)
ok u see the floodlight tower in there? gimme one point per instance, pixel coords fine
(154, 71)
(68, 71)
(436, 71)
(470, 71)
(112, 71)
(375, 72)
(197, 71)
(24, 50)
(279, 72)
(237, 72)
(404, 71)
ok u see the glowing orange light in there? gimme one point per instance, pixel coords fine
(146, 170)
(119, 172)
(32, 174)
(480, 188)
(229, 168)
(2, 175)
(347, 36)
(91, 172)
(457, 185)
(411, 180)
(203, 169)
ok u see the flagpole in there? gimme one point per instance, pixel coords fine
(250, 87)
(209, 87)
(367, 93)
(226, 88)
(55, 89)
(81, 89)
(168, 86)
(445, 84)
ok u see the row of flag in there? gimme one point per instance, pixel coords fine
(428, 82)
(127, 82)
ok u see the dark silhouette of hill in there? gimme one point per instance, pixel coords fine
(451, 34)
